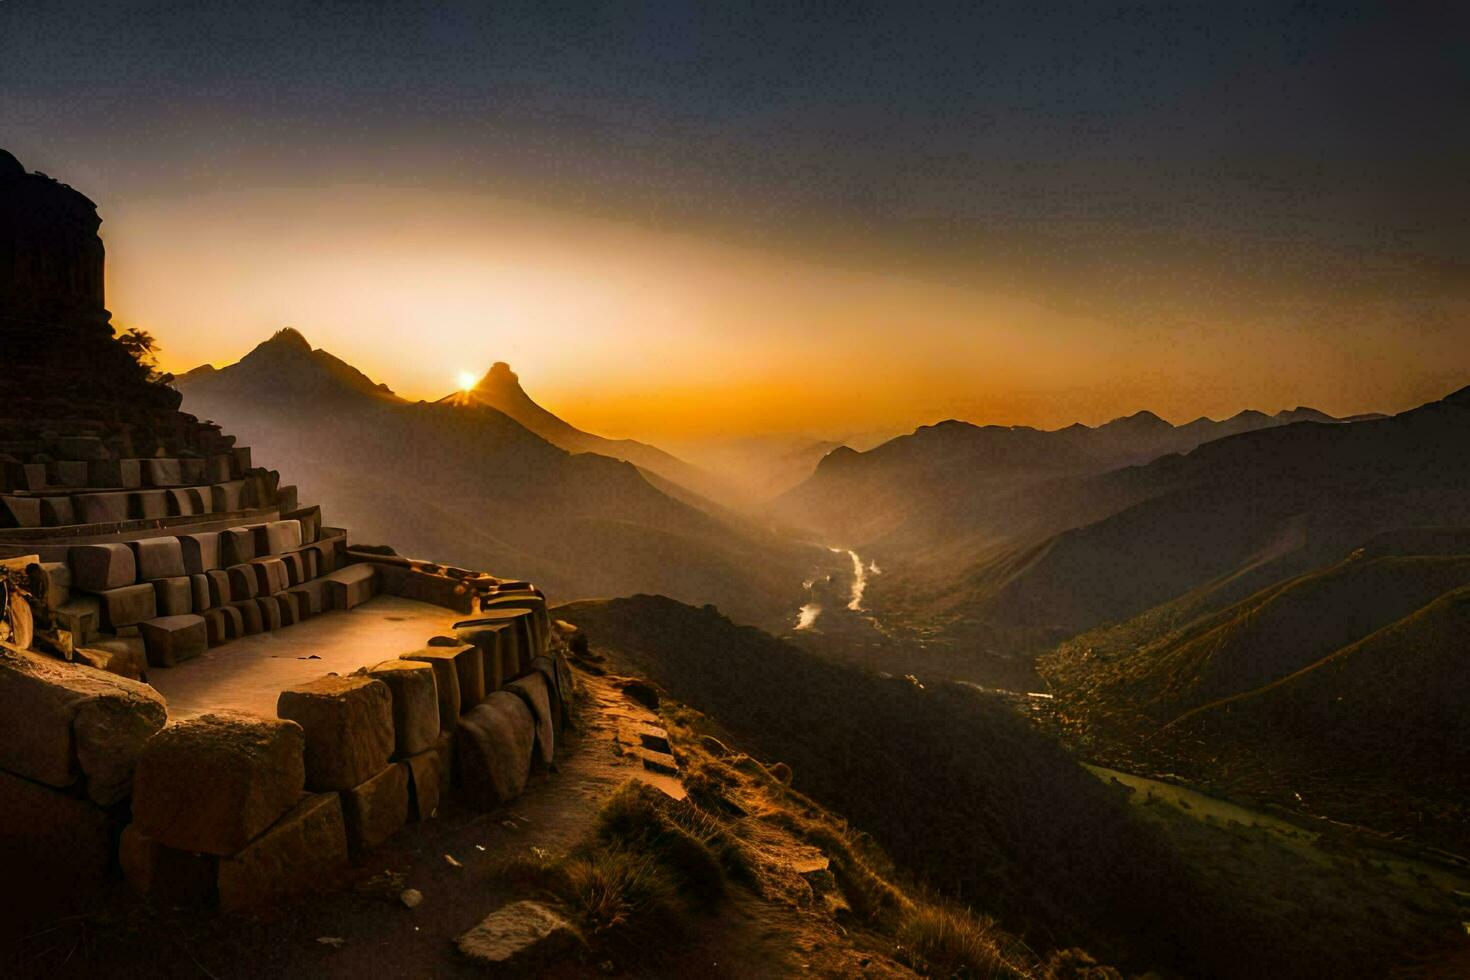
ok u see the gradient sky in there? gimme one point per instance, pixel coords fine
(678, 220)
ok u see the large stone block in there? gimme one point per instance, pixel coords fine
(158, 557)
(50, 583)
(277, 537)
(524, 599)
(546, 666)
(415, 704)
(66, 473)
(286, 497)
(348, 726)
(213, 783)
(199, 592)
(492, 749)
(53, 846)
(219, 588)
(532, 689)
(216, 626)
(99, 567)
(166, 875)
(446, 678)
(200, 551)
(58, 512)
(290, 606)
(81, 615)
(270, 613)
(522, 639)
(20, 512)
(295, 564)
(103, 508)
(170, 640)
(437, 590)
(234, 622)
(25, 476)
(243, 582)
(250, 619)
(300, 853)
(64, 721)
(352, 586)
(84, 448)
(174, 596)
(497, 644)
(127, 606)
(428, 780)
(185, 502)
(191, 470)
(149, 505)
(126, 474)
(241, 460)
(312, 597)
(162, 473)
(226, 497)
(270, 576)
(376, 809)
(236, 546)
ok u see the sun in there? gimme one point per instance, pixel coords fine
(467, 380)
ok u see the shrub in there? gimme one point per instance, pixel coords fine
(943, 941)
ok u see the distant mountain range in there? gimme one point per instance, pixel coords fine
(470, 484)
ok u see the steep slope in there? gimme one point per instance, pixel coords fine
(1338, 692)
(472, 486)
(501, 390)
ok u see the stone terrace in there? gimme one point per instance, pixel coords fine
(202, 687)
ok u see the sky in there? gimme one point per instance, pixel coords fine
(682, 221)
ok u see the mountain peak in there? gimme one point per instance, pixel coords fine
(500, 376)
(287, 340)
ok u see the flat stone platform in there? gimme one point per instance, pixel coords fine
(248, 674)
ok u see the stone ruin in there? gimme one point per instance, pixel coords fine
(143, 552)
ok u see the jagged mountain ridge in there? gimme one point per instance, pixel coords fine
(470, 485)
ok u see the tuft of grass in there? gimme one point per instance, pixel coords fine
(614, 890)
(943, 941)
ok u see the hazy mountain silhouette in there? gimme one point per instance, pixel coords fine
(501, 389)
(467, 484)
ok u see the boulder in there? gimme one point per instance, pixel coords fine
(65, 721)
(533, 690)
(415, 704)
(519, 938)
(158, 557)
(492, 749)
(546, 667)
(348, 725)
(446, 678)
(428, 779)
(213, 783)
(376, 809)
(166, 875)
(300, 853)
(174, 596)
(170, 640)
(127, 606)
(99, 567)
(200, 551)
(54, 846)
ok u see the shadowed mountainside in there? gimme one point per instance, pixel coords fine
(469, 485)
(1339, 692)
